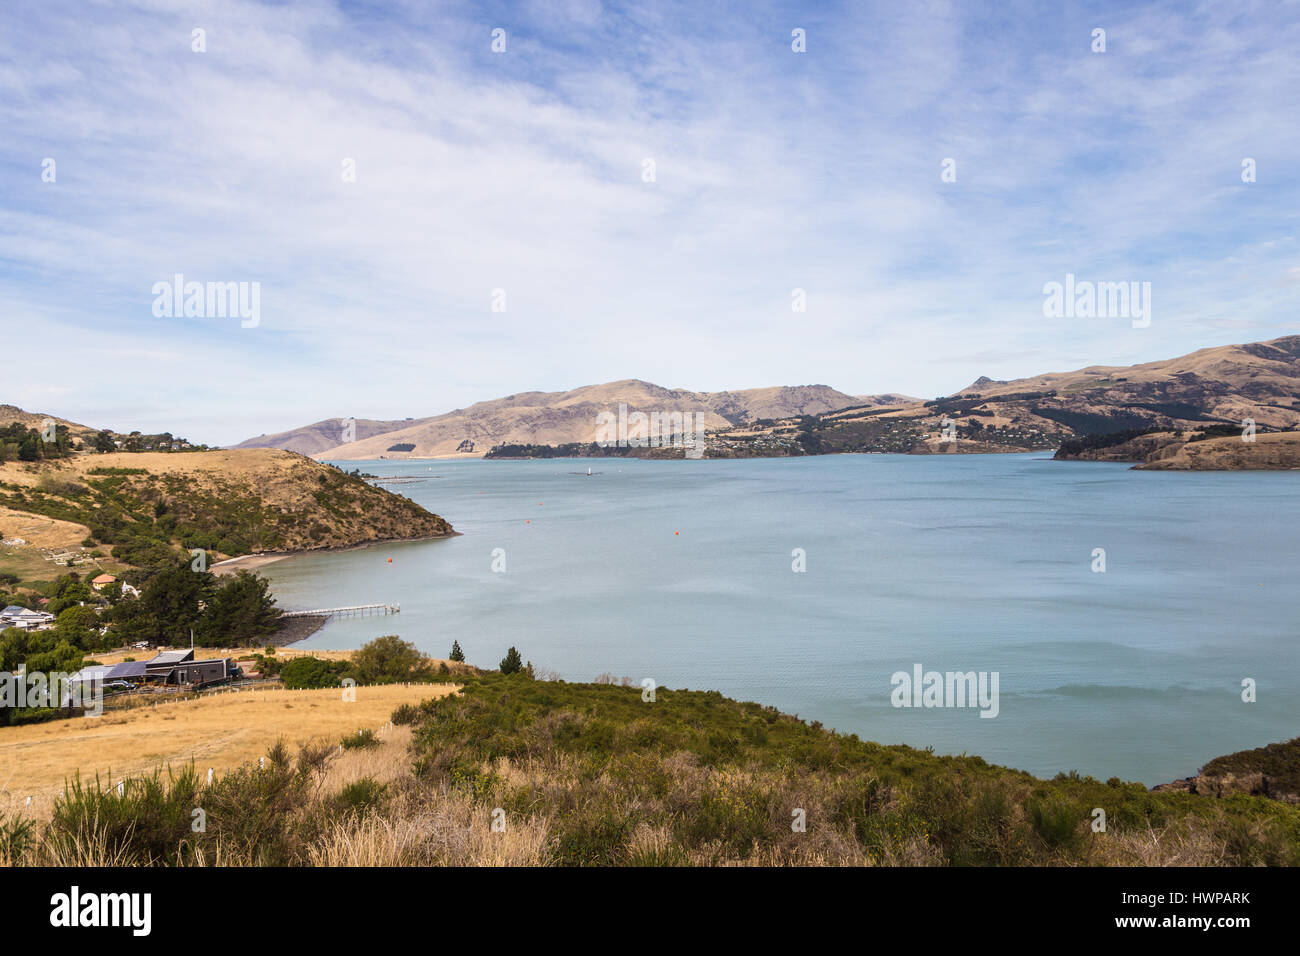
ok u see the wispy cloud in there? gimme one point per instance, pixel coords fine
(523, 171)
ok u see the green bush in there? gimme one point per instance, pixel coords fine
(1056, 820)
(405, 714)
(361, 797)
(360, 740)
(305, 673)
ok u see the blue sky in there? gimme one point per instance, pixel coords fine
(522, 171)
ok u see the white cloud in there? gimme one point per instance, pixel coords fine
(523, 171)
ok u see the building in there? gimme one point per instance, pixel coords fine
(103, 581)
(27, 620)
(180, 667)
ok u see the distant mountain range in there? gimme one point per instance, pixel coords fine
(1221, 385)
(549, 418)
(1215, 389)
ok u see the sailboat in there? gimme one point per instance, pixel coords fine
(589, 471)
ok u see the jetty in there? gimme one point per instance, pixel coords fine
(356, 610)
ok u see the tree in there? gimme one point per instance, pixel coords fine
(240, 611)
(512, 663)
(311, 672)
(386, 660)
(171, 604)
(104, 443)
(69, 595)
(79, 626)
(456, 653)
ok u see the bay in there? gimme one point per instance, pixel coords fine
(681, 572)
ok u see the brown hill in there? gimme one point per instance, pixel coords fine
(1279, 451)
(1225, 384)
(232, 502)
(1216, 386)
(554, 418)
(12, 413)
(319, 436)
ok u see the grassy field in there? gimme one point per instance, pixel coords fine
(520, 772)
(220, 731)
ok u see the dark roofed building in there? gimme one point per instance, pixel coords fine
(180, 667)
(162, 664)
(130, 670)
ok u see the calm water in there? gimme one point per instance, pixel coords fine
(681, 571)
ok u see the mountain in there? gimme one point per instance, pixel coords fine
(320, 436)
(1226, 384)
(1220, 386)
(550, 418)
(885, 398)
(1214, 386)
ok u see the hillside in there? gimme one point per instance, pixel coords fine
(1226, 384)
(322, 436)
(147, 506)
(1217, 386)
(1205, 449)
(1272, 771)
(1273, 452)
(12, 413)
(550, 418)
(594, 775)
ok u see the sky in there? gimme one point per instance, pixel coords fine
(521, 177)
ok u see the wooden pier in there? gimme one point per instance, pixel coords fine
(356, 610)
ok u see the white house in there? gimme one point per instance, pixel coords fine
(21, 617)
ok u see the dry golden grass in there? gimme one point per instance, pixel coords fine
(219, 731)
(39, 531)
(264, 464)
(451, 831)
(238, 653)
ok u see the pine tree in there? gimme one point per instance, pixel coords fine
(512, 663)
(456, 653)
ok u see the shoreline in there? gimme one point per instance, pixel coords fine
(262, 558)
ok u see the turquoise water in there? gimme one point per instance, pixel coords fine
(680, 571)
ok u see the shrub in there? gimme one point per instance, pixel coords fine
(306, 673)
(1055, 820)
(361, 739)
(405, 714)
(16, 837)
(361, 797)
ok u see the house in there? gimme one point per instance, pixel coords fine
(180, 667)
(21, 617)
(103, 581)
(133, 671)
